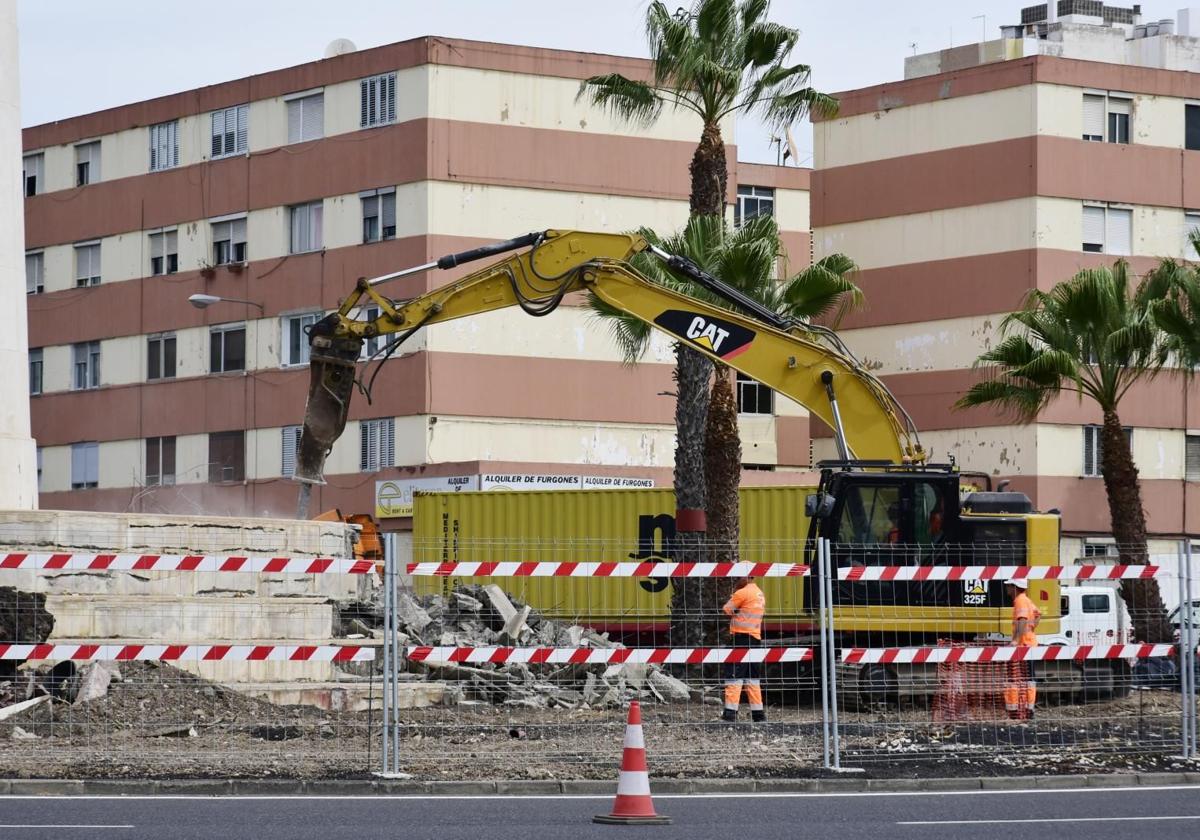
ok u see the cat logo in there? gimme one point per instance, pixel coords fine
(974, 593)
(721, 338)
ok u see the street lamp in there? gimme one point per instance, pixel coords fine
(205, 301)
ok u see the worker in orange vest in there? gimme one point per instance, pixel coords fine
(1020, 692)
(745, 610)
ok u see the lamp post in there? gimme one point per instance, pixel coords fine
(205, 301)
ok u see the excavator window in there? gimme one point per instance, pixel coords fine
(872, 515)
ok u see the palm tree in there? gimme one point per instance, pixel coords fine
(716, 59)
(1095, 335)
(746, 257)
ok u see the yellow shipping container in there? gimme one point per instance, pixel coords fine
(601, 526)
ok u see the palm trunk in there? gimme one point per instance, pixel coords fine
(692, 372)
(1142, 597)
(690, 597)
(722, 472)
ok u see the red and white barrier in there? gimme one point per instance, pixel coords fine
(1118, 572)
(190, 653)
(998, 653)
(568, 569)
(186, 563)
(614, 656)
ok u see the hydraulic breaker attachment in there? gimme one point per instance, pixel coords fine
(331, 384)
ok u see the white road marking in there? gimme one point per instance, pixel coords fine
(1046, 820)
(428, 797)
(60, 825)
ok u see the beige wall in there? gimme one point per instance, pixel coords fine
(949, 344)
(792, 209)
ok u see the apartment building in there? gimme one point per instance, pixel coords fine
(997, 168)
(274, 193)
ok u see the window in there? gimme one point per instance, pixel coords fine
(35, 273)
(164, 146)
(295, 338)
(87, 264)
(229, 131)
(227, 348)
(305, 223)
(160, 356)
(379, 214)
(39, 469)
(1093, 451)
(377, 98)
(1191, 139)
(85, 465)
(1107, 230)
(164, 252)
(85, 360)
(290, 436)
(1099, 550)
(160, 460)
(33, 178)
(35, 371)
(753, 202)
(373, 344)
(1118, 120)
(1191, 458)
(377, 444)
(306, 118)
(229, 241)
(752, 397)
(1106, 118)
(1095, 603)
(226, 456)
(872, 516)
(87, 163)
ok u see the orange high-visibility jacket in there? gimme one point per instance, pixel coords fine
(1023, 608)
(745, 610)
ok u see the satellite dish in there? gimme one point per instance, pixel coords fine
(339, 46)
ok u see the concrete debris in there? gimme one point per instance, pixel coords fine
(94, 681)
(17, 708)
(20, 734)
(484, 616)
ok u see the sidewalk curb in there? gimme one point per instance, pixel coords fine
(580, 787)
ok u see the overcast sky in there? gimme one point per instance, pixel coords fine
(79, 56)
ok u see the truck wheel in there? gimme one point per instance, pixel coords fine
(1122, 679)
(1099, 682)
(878, 685)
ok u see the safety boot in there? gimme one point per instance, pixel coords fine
(758, 715)
(729, 715)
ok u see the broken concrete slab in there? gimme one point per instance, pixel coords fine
(412, 615)
(500, 603)
(669, 687)
(93, 682)
(514, 625)
(16, 708)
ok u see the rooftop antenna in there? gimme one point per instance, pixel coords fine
(913, 47)
(984, 27)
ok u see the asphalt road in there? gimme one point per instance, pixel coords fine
(1094, 814)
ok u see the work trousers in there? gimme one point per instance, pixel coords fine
(1020, 691)
(743, 673)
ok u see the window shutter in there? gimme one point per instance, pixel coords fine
(387, 444)
(390, 80)
(313, 118)
(1093, 117)
(1118, 232)
(389, 211)
(291, 442)
(1089, 450)
(238, 230)
(1093, 225)
(1118, 106)
(243, 117)
(33, 273)
(295, 119)
(172, 238)
(78, 463)
(316, 224)
(1192, 458)
(365, 89)
(218, 133)
(92, 456)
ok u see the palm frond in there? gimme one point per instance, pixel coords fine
(631, 335)
(633, 101)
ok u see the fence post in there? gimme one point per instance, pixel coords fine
(827, 585)
(1187, 640)
(388, 642)
(393, 583)
(824, 650)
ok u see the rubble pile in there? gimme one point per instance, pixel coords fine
(482, 616)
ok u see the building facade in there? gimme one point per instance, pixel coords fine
(1002, 167)
(279, 191)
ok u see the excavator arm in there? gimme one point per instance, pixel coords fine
(804, 362)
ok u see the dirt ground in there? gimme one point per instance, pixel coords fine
(159, 722)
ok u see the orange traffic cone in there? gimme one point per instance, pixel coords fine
(633, 805)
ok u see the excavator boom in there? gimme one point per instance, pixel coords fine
(804, 362)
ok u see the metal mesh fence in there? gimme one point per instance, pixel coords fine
(517, 659)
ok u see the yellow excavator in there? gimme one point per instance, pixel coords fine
(879, 503)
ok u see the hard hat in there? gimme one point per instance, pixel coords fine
(1020, 583)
